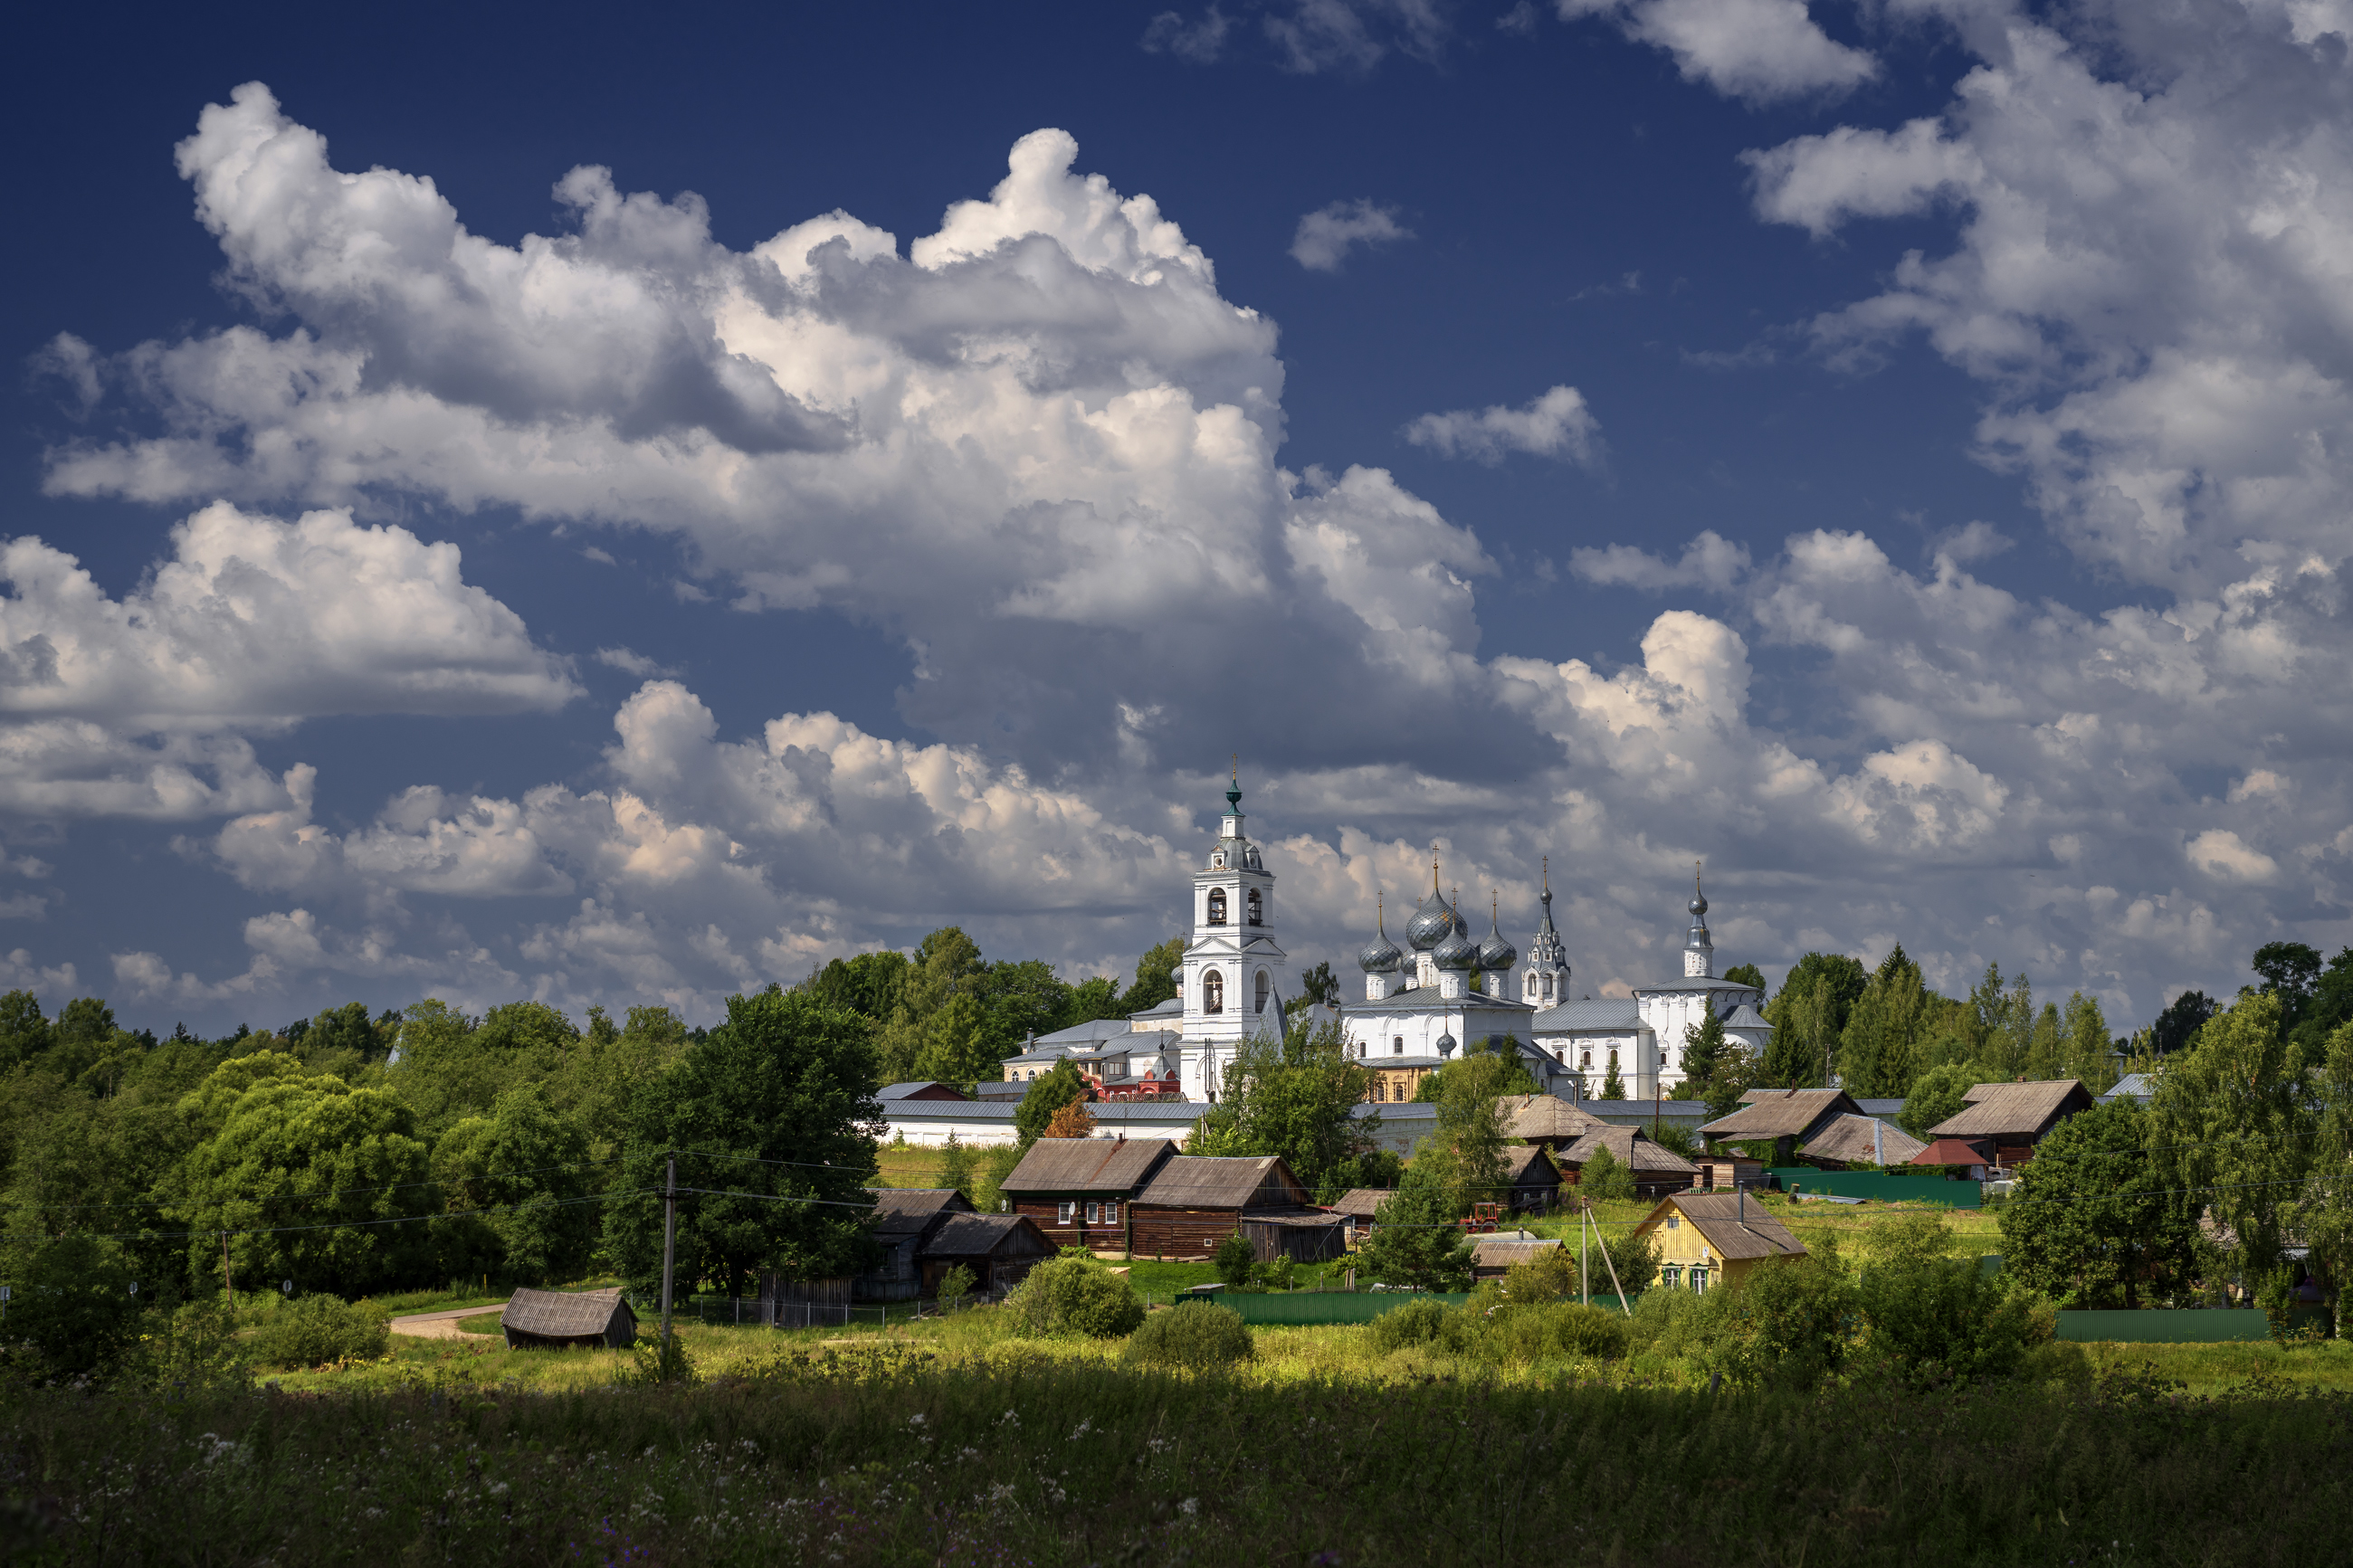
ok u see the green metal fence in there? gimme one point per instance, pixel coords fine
(1879, 1185)
(2217, 1326)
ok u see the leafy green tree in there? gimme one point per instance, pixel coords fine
(2001, 1024)
(2087, 1051)
(24, 1032)
(960, 1045)
(1604, 1180)
(2329, 1008)
(1810, 1011)
(1235, 1260)
(2324, 1212)
(310, 1151)
(1096, 997)
(1506, 1074)
(1937, 1095)
(1319, 984)
(1293, 1097)
(1048, 1093)
(946, 961)
(1020, 998)
(2091, 1223)
(2234, 1122)
(774, 1117)
(1155, 977)
(1788, 1322)
(870, 985)
(1415, 1240)
(1705, 1050)
(343, 1032)
(1746, 974)
(86, 1019)
(72, 1300)
(956, 1166)
(1938, 1318)
(2291, 971)
(518, 1186)
(2180, 1023)
(1876, 1050)
(1464, 1152)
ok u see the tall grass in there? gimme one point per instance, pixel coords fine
(893, 1455)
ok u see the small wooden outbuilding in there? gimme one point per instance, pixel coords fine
(1723, 1171)
(1851, 1141)
(1530, 1180)
(562, 1320)
(1782, 1117)
(1077, 1190)
(1197, 1200)
(903, 1219)
(1656, 1168)
(999, 1248)
(1357, 1209)
(2014, 1117)
(1492, 1255)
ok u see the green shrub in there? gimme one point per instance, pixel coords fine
(1554, 1328)
(313, 1330)
(1415, 1323)
(1279, 1275)
(194, 1346)
(73, 1302)
(1604, 1179)
(1196, 1335)
(1236, 1258)
(1941, 1319)
(1074, 1296)
(1784, 1323)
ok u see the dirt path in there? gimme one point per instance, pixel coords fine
(442, 1325)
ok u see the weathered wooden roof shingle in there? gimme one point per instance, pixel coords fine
(2018, 1109)
(1629, 1147)
(1734, 1227)
(1087, 1165)
(563, 1314)
(1863, 1140)
(1781, 1113)
(902, 1212)
(1225, 1181)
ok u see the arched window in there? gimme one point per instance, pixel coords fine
(1213, 991)
(1217, 910)
(1397, 1047)
(1257, 908)
(1264, 984)
(1585, 1059)
(1613, 1060)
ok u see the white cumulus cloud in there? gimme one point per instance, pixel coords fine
(1325, 237)
(1759, 50)
(1557, 424)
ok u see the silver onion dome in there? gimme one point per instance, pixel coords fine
(1457, 952)
(1380, 955)
(1446, 1044)
(1495, 952)
(1432, 924)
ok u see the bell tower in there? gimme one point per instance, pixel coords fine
(1232, 962)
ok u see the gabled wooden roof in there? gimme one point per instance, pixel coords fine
(1630, 1147)
(1087, 1165)
(1362, 1203)
(902, 1212)
(1782, 1113)
(1527, 1166)
(2014, 1110)
(1531, 1116)
(986, 1235)
(565, 1314)
(1215, 1181)
(1734, 1227)
(1862, 1140)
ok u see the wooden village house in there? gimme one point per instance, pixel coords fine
(1078, 1190)
(557, 1320)
(1851, 1141)
(2014, 1117)
(1784, 1118)
(903, 1221)
(1656, 1168)
(1531, 1181)
(998, 1248)
(1197, 1201)
(1713, 1238)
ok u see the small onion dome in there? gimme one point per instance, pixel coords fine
(1457, 952)
(1446, 1044)
(1432, 922)
(1380, 955)
(1495, 952)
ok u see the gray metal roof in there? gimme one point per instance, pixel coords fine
(1160, 1112)
(1426, 999)
(1745, 1018)
(902, 1090)
(1174, 1006)
(1697, 983)
(1411, 1111)
(2138, 1085)
(1079, 1034)
(1613, 1013)
(1203, 1181)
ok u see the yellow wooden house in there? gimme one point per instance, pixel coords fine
(1706, 1239)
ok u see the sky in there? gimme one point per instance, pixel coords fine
(617, 509)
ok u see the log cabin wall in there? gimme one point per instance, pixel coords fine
(1046, 1213)
(1181, 1232)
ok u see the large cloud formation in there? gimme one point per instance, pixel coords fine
(1038, 448)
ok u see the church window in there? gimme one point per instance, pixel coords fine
(1397, 1047)
(1264, 984)
(1213, 993)
(1613, 1058)
(1216, 906)
(1584, 1058)
(1548, 987)
(1257, 908)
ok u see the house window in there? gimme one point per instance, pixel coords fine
(1257, 908)
(1671, 1274)
(1095, 1214)
(1216, 906)
(1065, 1213)
(1110, 1211)
(1264, 984)
(1675, 1222)
(1213, 993)
(1699, 1280)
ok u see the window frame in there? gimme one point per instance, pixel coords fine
(1216, 911)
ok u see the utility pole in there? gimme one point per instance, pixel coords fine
(670, 1249)
(1585, 1250)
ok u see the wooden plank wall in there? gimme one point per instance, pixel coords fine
(1167, 1232)
(1042, 1212)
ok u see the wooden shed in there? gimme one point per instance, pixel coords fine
(2014, 1117)
(1530, 1180)
(1851, 1141)
(1357, 1209)
(1712, 1238)
(903, 1219)
(1657, 1168)
(1313, 1236)
(1723, 1171)
(1784, 1118)
(1077, 1190)
(562, 1320)
(1492, 1256)
(999, 1249)
(1197, 1200)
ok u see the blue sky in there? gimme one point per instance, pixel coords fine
(1895, 453)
